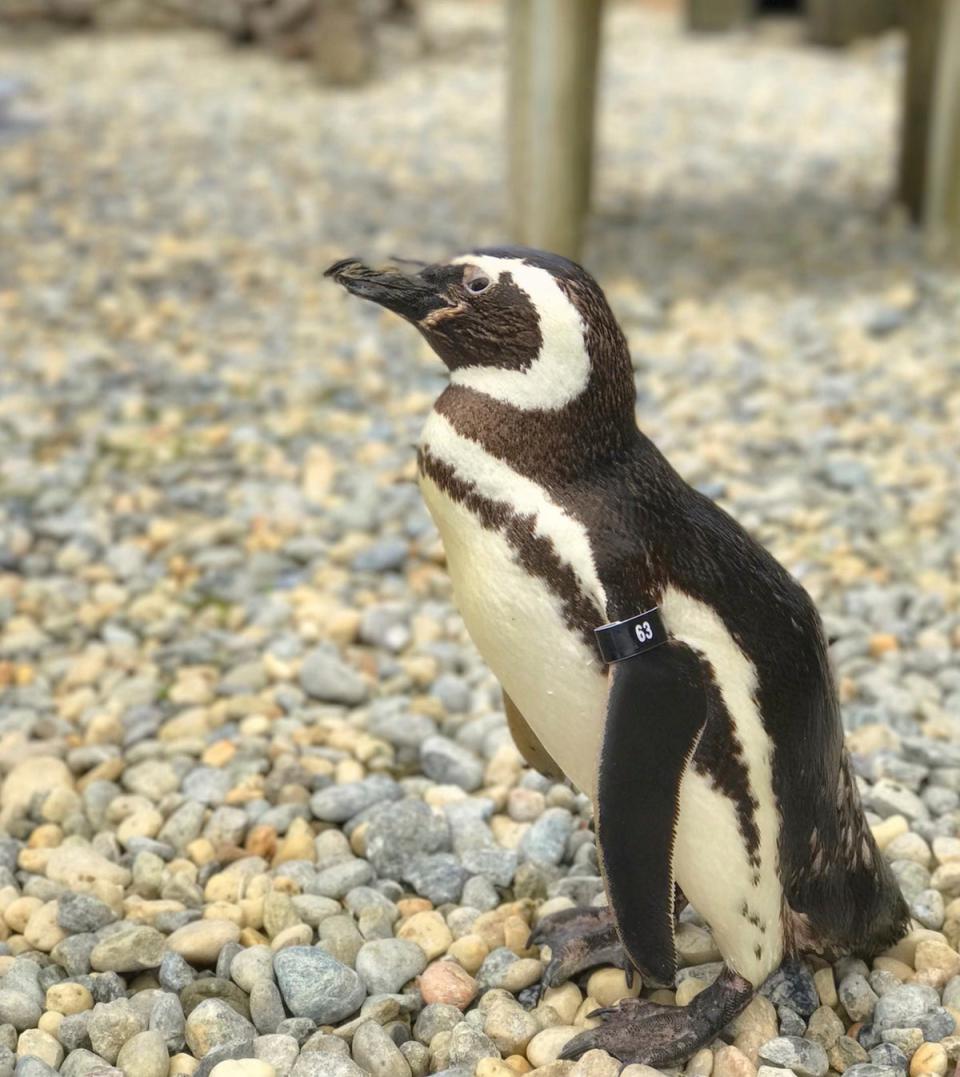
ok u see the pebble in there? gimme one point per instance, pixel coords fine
(315, 985)
(375, 1052)
(144, 1054)
(215, 1023)
(804, 1057)
(200, 943)
(385, 965)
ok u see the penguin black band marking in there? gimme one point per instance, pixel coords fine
(624, 639)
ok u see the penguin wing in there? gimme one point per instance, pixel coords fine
(656, 712)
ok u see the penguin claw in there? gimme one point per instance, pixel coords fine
(638, 1030)
(579, 939)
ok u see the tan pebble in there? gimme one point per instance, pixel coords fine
(60, 803)
(929, 1058)
(546, 1045)
(224, 910)
(251, 937)
(909, 846)
(40, 1044)
(68, 998)
(28, 778)
(295, 935)
(946, 878)
(695, 945)
(411, 906)
(504, 767)
(582, 1018)
(951, 1044)
(565, 999)
(219, 753)
(518, 1064)
(252, 911)
(700, 1064)
(516, 934)
(637, 1069)
(525, 805)
(826, 987)
(508, 833)
(552, 905)
(446, 981)
(731, 1062)
(557, 1068)
(429, 931)
(47, 836)
(524, 972)
(183, 1065)
(200, 942)
(663, 996)
(596, 1063)
(906, 949)
(348, 770)
(938, 959)
(243, 1067)
(946, 849)
(358, 839)
(494, 1067)
(470, 951)
(201, 851)
(891, 827)
(34, 860)
(42, 930)
(18, 913)
(50, 1022)
(547, 1016)
(755, 1026)
(609, 985)
(440, 795)
(688, 989)
(882, 643)
(261, 841)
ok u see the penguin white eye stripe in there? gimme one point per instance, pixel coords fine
(561, 369)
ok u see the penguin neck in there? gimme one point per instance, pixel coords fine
(557, 448)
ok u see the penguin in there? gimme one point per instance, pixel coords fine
(649, 650)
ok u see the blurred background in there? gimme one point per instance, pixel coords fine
(217, 579)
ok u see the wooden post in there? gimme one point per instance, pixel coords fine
(930, 131)
(712, 15)
(552, 89)
(942, 210)
(838, 22)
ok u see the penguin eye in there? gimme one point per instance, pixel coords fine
(476, 285)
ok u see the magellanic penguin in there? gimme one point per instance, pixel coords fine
(704, 723)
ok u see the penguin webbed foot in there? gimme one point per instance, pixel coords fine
(579, 938)
(637, 1030)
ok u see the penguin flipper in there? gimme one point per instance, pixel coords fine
(528, 743)
(656, 712)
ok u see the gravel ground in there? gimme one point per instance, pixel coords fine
(262, 813)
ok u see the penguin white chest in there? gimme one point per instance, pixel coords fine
(514, 617)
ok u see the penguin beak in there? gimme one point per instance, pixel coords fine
(408, 295)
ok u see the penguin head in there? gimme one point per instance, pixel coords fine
(522, 326)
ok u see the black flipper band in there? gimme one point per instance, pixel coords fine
(624, 639)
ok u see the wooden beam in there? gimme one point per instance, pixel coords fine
(552, 89)
(709, 16)
(941, 215)
(929, 177)
(838, 22)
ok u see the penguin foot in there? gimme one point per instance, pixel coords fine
(637, 1030)
(579, 939)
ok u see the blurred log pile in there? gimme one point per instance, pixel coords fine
(340, 36)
